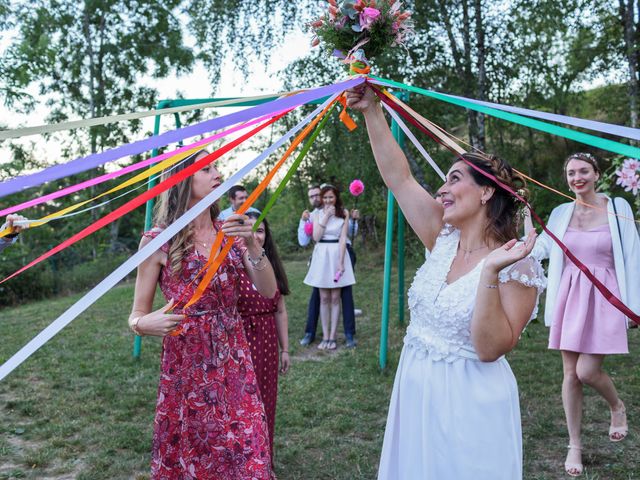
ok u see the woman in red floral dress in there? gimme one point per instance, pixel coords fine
(266, 325)
(210, 421)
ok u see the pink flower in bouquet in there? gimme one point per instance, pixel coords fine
(368, 17)
(632, 164)
(633, 185)
(356, 187)
(308, 229)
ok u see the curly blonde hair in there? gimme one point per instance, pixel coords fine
(172, 204)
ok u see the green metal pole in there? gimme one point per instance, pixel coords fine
(148, 216)
(399, 136)
(386, 288)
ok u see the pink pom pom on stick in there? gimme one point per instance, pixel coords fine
(356, 187)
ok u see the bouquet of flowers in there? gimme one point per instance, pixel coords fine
(358, 30)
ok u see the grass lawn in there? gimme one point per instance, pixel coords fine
(82, 407)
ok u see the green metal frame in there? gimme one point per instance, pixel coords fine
(398, 134)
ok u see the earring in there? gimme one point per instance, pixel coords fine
(484, 202)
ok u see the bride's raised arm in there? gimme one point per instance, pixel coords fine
(421, 210)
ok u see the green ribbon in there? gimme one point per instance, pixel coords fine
(294, 167)
(587, 139)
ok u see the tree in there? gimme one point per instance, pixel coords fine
(87, 59)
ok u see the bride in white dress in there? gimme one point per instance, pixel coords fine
(454, 411)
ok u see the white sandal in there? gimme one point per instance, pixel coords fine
(573, 469)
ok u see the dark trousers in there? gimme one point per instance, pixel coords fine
(346, 294)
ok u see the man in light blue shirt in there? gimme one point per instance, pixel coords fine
(15, 231)
(237, 196)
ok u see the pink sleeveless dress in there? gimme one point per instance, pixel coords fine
(583, 321)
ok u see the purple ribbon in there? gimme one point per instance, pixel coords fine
(94, 160)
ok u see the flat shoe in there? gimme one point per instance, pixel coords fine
(573, 469)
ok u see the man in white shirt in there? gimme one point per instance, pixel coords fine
(237, 196)
(15, 231)
(313, 310)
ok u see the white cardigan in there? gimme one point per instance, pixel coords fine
(627, 266)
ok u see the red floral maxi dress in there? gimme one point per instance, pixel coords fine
(210, 421)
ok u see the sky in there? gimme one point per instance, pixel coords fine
(262, 79)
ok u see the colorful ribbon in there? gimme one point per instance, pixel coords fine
(141, 199)
(213, 264)
(145, 252)
(94, 160)
(608, 295)
(587, 139)
(131, 168)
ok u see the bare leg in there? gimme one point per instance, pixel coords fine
(335, 311)
(325, 313)
(572, 403)
(589, 370)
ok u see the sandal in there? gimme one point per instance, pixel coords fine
(332, 345)
(573, 469)
(323, 345)
(617, 434)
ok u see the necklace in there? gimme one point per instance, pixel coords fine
(467, 253)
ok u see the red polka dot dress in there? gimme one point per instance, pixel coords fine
(258, 316)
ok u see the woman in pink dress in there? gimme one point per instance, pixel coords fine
(210, 421)
(584, 325)
(266, 325)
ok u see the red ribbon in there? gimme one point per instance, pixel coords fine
(148, 195)
(606, 293)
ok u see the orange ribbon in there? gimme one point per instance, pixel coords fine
(215, 260)
(344, 116)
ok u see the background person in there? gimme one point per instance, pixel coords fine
(584, 325)
(305, 235)
(266, 324)
(328, 270)
(11, 238)
(237, 195)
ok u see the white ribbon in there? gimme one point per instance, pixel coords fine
(128, 266)
(414, 140)
(91, 122)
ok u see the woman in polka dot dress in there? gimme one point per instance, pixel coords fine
(266, 325)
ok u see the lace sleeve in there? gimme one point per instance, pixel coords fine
(527, 271)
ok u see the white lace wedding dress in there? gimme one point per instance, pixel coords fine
(451, 416)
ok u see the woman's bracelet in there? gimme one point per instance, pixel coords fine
(284, 351)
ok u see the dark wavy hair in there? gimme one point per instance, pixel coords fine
(272, 254)
(336, 192)
(502, 207)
